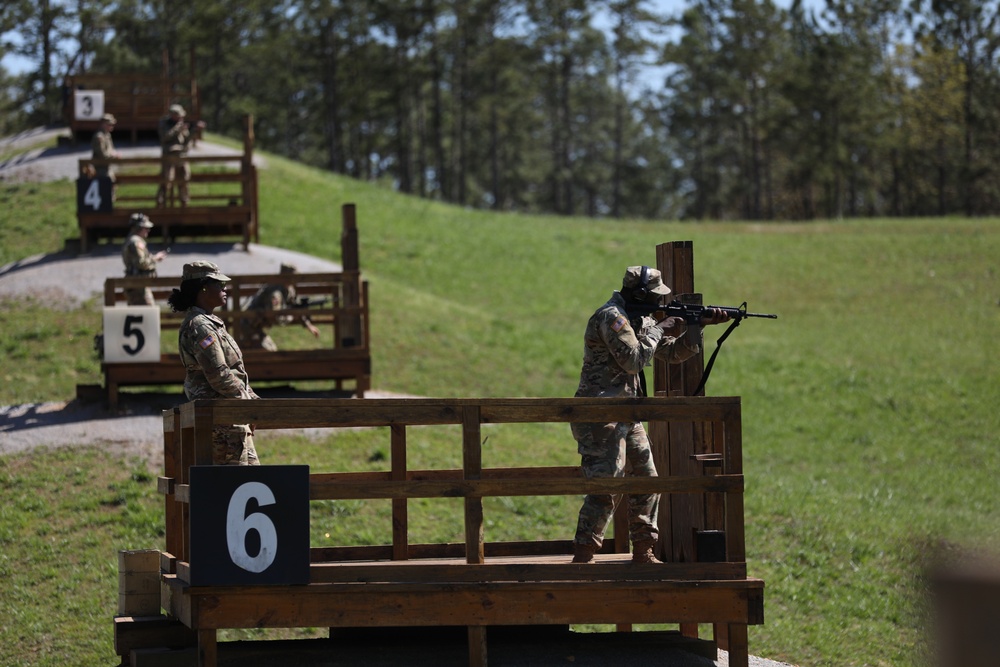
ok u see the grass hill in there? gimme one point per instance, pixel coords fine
(870, 427)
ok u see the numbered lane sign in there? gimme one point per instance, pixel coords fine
(249, 525)
(93, 195)
(131, 334)
(88, 104)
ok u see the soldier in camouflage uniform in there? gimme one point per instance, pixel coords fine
(176, 136)
(103, 146)
(615, 352)
(254, 329)
(212, 360)
(139, 262)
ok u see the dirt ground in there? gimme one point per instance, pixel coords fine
(66, 279)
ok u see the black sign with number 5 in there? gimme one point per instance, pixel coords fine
(249, 525)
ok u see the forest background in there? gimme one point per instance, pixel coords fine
(753, 111)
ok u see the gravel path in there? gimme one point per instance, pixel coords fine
(65, 280)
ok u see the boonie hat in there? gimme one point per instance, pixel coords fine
(654, 282)
(199, 270)
(140, 220)
(109, 118)
(177, 109)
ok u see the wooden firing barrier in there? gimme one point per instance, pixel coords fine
(344, 355)
(223, 197)
(475, 584)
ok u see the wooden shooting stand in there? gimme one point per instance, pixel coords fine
(344, 354)
(476, 584)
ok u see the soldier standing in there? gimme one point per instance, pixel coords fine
(213, 362)
(615, 352)
(103, 146)
(138, 260)
(175, 139)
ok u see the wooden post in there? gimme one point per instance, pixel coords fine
(400, 516)
(674, 445)
(350, 333)
(472, 468)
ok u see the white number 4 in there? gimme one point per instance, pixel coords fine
(238, 525)
(92, 197)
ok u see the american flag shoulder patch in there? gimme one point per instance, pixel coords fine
(619, 322)
(206, 341)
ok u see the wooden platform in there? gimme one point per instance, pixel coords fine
(476, 584)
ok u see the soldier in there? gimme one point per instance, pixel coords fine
(138, 260)
(175, 139)
(213, 362)
(615, 352)
(269, 298)
(103, 146)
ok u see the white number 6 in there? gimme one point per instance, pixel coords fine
(237, 528)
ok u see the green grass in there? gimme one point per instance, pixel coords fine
(869, 411)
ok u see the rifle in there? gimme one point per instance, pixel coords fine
(692, 314)
(306, 302)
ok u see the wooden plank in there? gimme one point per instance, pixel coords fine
(132, 632)
(370, 490)
(609, 567)
(547, 603)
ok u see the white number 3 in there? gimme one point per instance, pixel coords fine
(237, 527)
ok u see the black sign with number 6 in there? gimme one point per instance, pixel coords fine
(249, 525)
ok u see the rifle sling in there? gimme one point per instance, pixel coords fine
(715, 353)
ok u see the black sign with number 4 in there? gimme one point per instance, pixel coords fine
(249, 525)
(93, 195)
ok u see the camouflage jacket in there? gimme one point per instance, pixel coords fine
(614, 353)
(102, 146)
(212, 360)
(138, 260)
(174, 136)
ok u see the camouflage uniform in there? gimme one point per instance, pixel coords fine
(103, 147)
(254, 329)
(175, 137)
(214, 369)
(138, 262)
(614, 356)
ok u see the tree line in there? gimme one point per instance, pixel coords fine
(728, 109)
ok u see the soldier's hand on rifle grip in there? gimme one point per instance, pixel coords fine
(672, 326)
(714, 316)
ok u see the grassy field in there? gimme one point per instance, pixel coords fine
(870, 426)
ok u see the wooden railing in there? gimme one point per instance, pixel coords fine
(475, 583)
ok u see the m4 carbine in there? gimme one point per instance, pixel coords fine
(691, 313)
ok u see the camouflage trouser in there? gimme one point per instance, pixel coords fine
(605, 451)
(233, 446)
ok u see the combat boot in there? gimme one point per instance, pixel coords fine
(642, 554)
(583, 553)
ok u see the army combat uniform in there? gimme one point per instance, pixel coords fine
(254, 328)
(138, 262)
(614, 356)
(214, 369)
(103, 146)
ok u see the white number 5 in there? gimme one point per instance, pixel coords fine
(237, 527)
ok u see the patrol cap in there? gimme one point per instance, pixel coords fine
(654, 282)
(199, 270)
(288, 268)
(140, 220)
(109, 118)
(177, 109)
